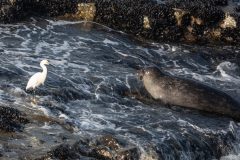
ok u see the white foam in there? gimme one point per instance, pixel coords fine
(87, 39)
(184, 123)
(2, 44)
(44, 110)
(46, 126)
(174, 49)
(108, 41)
(64, 116)
(62, 22)
(146, 50)
(224, 68)
(96, 90)
(128, 55)
(231, 157)
(10, 25)
(126, 80)
(17, 91)
(84, 67)
(93, 125)
(122, 54)
(58, 48)
(58, 63)
(198, 77)
(39, 47)
(227, 72)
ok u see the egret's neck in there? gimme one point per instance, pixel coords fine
(44, 68)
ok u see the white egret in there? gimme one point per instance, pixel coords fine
(38, 78)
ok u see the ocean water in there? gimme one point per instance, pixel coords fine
(92, 81)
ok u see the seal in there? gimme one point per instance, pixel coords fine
(188, 93)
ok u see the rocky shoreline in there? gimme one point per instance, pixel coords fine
(104, 146)
(198, 21)
(185, 21)
(12, 122)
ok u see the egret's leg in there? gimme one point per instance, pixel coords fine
(34, 98)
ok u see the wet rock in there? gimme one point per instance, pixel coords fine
(11, 10)
(170, 21)
(197, 143)
(128, 154)
(63, 94)
(49, 8)
(109, 141)
(11, 119)
(13, 91)
(237, 9)
(106, 147)
(6, 73)
(67, 125)
(185, 20)
(66, 94)
(84, 11)
(65, 152)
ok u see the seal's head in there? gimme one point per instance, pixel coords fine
(149, 72)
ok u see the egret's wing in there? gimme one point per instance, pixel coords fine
(34, 81)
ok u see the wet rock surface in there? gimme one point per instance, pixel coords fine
(106, 147)
(11, 119)
(186, 21)
(212, 146)
(197, 21)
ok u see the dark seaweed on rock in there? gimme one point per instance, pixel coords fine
(11, 119)
(197, 21)
(128, 15)
(105, 148)
(50, 7)
(11, 11)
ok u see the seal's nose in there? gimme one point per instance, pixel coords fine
(140, 73)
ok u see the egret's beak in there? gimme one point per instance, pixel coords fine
(140, 73)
